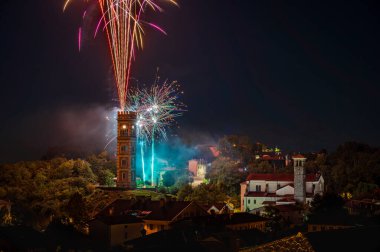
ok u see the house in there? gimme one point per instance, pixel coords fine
(332, 221)
(126, 219)
(296, 242)
(353, 239)
(163, 216)
(218, 208)
(245, 221)
(366, 207)
(260, 190)
(115, 230)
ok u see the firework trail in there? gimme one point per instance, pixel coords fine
(122, 20)
(156, 108)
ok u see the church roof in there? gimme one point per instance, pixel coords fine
(279, 177)
(298, 156)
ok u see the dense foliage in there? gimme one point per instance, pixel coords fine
(42, 190)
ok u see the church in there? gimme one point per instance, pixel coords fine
(260, 190)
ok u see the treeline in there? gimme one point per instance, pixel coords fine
(42, 190)
(352, 168)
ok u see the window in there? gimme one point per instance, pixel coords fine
(122, 175)
(258, 188)
(124, 148)
(278, 186)
(254, 201)
(123, 132)
(123, 162)
(162, 227)
(314, 228)
(249, 201)
(151, 226)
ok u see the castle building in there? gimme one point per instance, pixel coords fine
(198, 168)
(260, 190)
(126, 150)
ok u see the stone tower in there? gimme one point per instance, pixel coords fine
(299, 178)
(126, 150)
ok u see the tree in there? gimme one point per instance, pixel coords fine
(235, 147)
(105, 177)
(327, 204)
(276, 222)
(77, 209)
(352, 163)
(184, 193)
(225, 174)
(208, 194)
(168, 179)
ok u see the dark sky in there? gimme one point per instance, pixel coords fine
(302, 75)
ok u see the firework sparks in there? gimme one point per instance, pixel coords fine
(156, 110)
(156, 107)
(124, 25)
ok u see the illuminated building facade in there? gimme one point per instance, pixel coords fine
(126, 150)
(260, 190)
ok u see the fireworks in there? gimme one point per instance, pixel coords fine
(122, 20)
(156, 109)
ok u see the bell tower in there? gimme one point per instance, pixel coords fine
(299, 178)
(126, 150)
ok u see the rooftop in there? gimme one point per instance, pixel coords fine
(284, 177)
(146, 208)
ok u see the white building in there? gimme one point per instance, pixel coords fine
(198, 167)
(260, 190)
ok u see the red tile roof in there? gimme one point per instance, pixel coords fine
(268, 202)
(298, 156)
(286, 200)
(279, 177)
(268, 157)
(260, 194)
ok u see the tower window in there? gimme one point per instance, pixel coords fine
(124, 148)
(123, 162)
(123, 175)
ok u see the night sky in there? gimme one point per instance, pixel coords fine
(302, 75)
